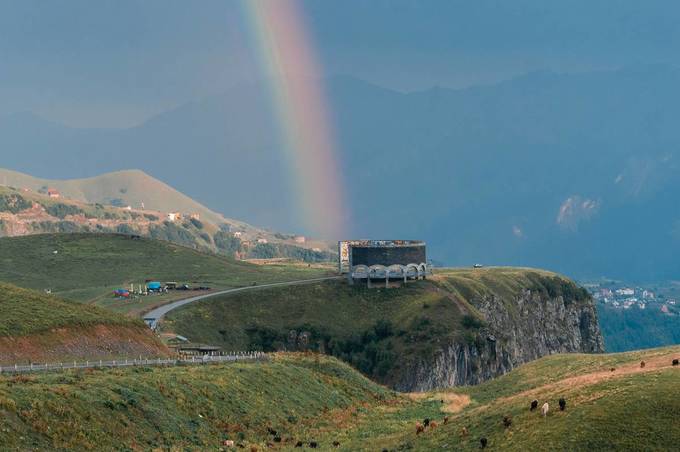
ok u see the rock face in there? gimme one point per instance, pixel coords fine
(518, 330)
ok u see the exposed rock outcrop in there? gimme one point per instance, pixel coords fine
(518, 329)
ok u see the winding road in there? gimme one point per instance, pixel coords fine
(153, 317)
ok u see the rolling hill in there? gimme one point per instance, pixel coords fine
(460, 327)
(628, 408)
(133, 202)
(128, 187)
(88, 267)
(38, 327)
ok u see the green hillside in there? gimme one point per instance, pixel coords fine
(24, 211)
(197, 408)
(87, 267)
(27, 312)
(630, 408)
(382, 332)
(38, 327)
(186, 408)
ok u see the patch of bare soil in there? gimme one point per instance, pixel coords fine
(453, 403)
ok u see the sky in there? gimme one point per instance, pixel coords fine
(114, 63)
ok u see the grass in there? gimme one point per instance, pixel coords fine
(350, 321)
(183, 408)
(196, 408)
(25, 312)
(88, 267)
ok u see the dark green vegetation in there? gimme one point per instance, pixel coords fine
(26, 312)
(382, 332)
(632, 329)
(13, 203)
(367, 328)
(192, 407)
(90, 266)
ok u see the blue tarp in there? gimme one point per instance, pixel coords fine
(154, 286)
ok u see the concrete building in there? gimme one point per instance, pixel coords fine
(383, 260)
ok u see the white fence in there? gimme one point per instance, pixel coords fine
(193, 360)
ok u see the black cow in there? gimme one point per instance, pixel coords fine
(563, 404)
(534, 405)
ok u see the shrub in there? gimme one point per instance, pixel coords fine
(14, 203)
(61, 210)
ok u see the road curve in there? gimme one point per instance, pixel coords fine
(153, 317)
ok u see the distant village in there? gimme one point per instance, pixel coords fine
(631, 297)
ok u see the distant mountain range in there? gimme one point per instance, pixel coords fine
(574, 172)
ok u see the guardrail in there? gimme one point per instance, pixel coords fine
(97, 364)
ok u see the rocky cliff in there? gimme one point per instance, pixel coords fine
(537, 315)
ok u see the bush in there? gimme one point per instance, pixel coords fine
(61, 210)
(14, 203)
(226, 242)
(470, 322)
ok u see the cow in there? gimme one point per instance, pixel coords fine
(545, 409)
(642, 364)
(446, 420)
(534, 405)
(676, 362)
(420, 428)
(507, 421)
(483, 442)
(563, 404)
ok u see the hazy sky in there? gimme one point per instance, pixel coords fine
(116, 62)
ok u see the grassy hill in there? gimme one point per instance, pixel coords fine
(36, 326)
(182, 407)
(24, 211)
(386, 333)
(131, 187)
(88, 267)
(630, 408)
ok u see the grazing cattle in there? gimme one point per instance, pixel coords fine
(298, 444)
(507, 421)
(464, 432)
(446, 420)
(642, 364)
(563, 404)
(676, 362)
(336, 443)
(313, 444)
(420, 428)
(228, 443)
(545, 409)
(483, 442)
(534, 405)
(612, 369)
(272, 431)
(426, 421)
(433, 424)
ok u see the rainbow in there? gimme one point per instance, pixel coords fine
(286, 56)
